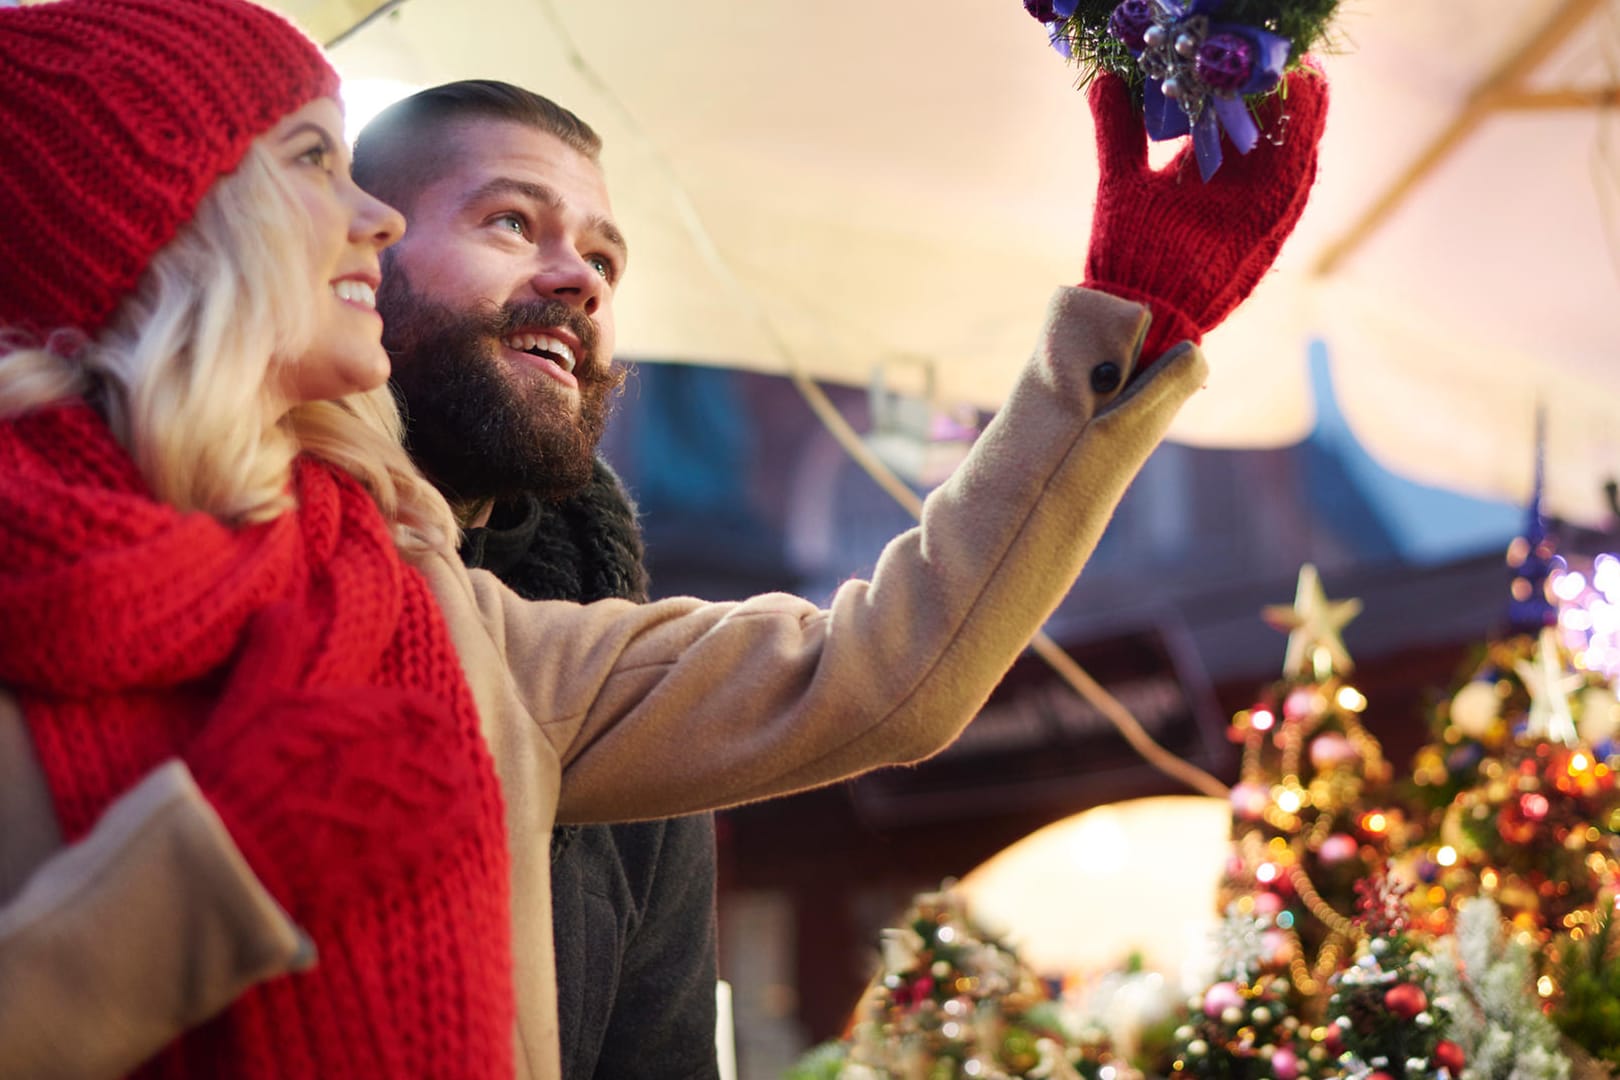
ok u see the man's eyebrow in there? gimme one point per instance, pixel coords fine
(545, 195)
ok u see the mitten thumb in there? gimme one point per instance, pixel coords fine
(1121, 135)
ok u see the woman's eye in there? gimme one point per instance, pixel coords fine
(319, 155)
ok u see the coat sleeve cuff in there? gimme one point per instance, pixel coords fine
(149, 925)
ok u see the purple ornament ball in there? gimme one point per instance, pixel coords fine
(1040, 9)
(1224, 63)
(1130, 21)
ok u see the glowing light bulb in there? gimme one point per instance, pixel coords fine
(1569, 586)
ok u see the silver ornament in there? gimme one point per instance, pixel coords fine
(1173, 89)
(1186, 45)
(1155, 36)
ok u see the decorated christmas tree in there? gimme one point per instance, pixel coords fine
(1244, 1026)
(1311, 813)
(952, 1000)
(1516, 793)
(1383, 1025)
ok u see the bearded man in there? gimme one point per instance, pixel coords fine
(498, 307)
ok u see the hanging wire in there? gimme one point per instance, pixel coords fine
(1061, 662)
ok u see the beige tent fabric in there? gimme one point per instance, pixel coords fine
(907, 180)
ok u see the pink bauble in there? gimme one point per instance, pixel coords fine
(1220, 997)
(1285, 1064)
(1330, 750)
(1268, 903)
(1249, 800)
(1337, 848)
(1301, 702)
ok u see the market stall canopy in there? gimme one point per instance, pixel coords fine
(882, 183)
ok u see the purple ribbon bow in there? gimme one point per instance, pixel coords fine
(1198, 72)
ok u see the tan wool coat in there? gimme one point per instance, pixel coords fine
(608, 712)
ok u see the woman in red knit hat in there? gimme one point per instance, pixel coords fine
(276, 772)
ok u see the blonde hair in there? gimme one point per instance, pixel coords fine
(184, 373)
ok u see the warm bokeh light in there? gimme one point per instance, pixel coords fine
(1351, 700)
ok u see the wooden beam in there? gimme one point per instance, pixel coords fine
(1506, 82)
(1597, 97)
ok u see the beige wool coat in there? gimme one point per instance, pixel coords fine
(609, 712)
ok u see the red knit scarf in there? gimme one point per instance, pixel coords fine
(118, 619)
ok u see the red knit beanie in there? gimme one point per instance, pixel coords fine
(116, 116)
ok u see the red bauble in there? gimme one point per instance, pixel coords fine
(1448, 1055)
(1405, 1000)
(1379, 1075)
(1333, 1040)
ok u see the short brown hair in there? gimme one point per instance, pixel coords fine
(402, 150)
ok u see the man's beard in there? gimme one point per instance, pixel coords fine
(478, 429)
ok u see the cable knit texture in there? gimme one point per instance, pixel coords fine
(124, 113)
(306, 675)
(1192, 251)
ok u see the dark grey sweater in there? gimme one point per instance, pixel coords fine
(632, 905)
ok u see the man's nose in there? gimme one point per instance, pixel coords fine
(563, 274)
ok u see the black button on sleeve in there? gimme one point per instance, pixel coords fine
(1105, 378)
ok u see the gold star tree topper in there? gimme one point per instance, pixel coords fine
(1313, 625)
(1550, 685)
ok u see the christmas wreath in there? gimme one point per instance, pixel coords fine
(1196, 64)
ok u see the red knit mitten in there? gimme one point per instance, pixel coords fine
(325, 790)
(1193, 250)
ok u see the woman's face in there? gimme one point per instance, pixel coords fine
(349, 229)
